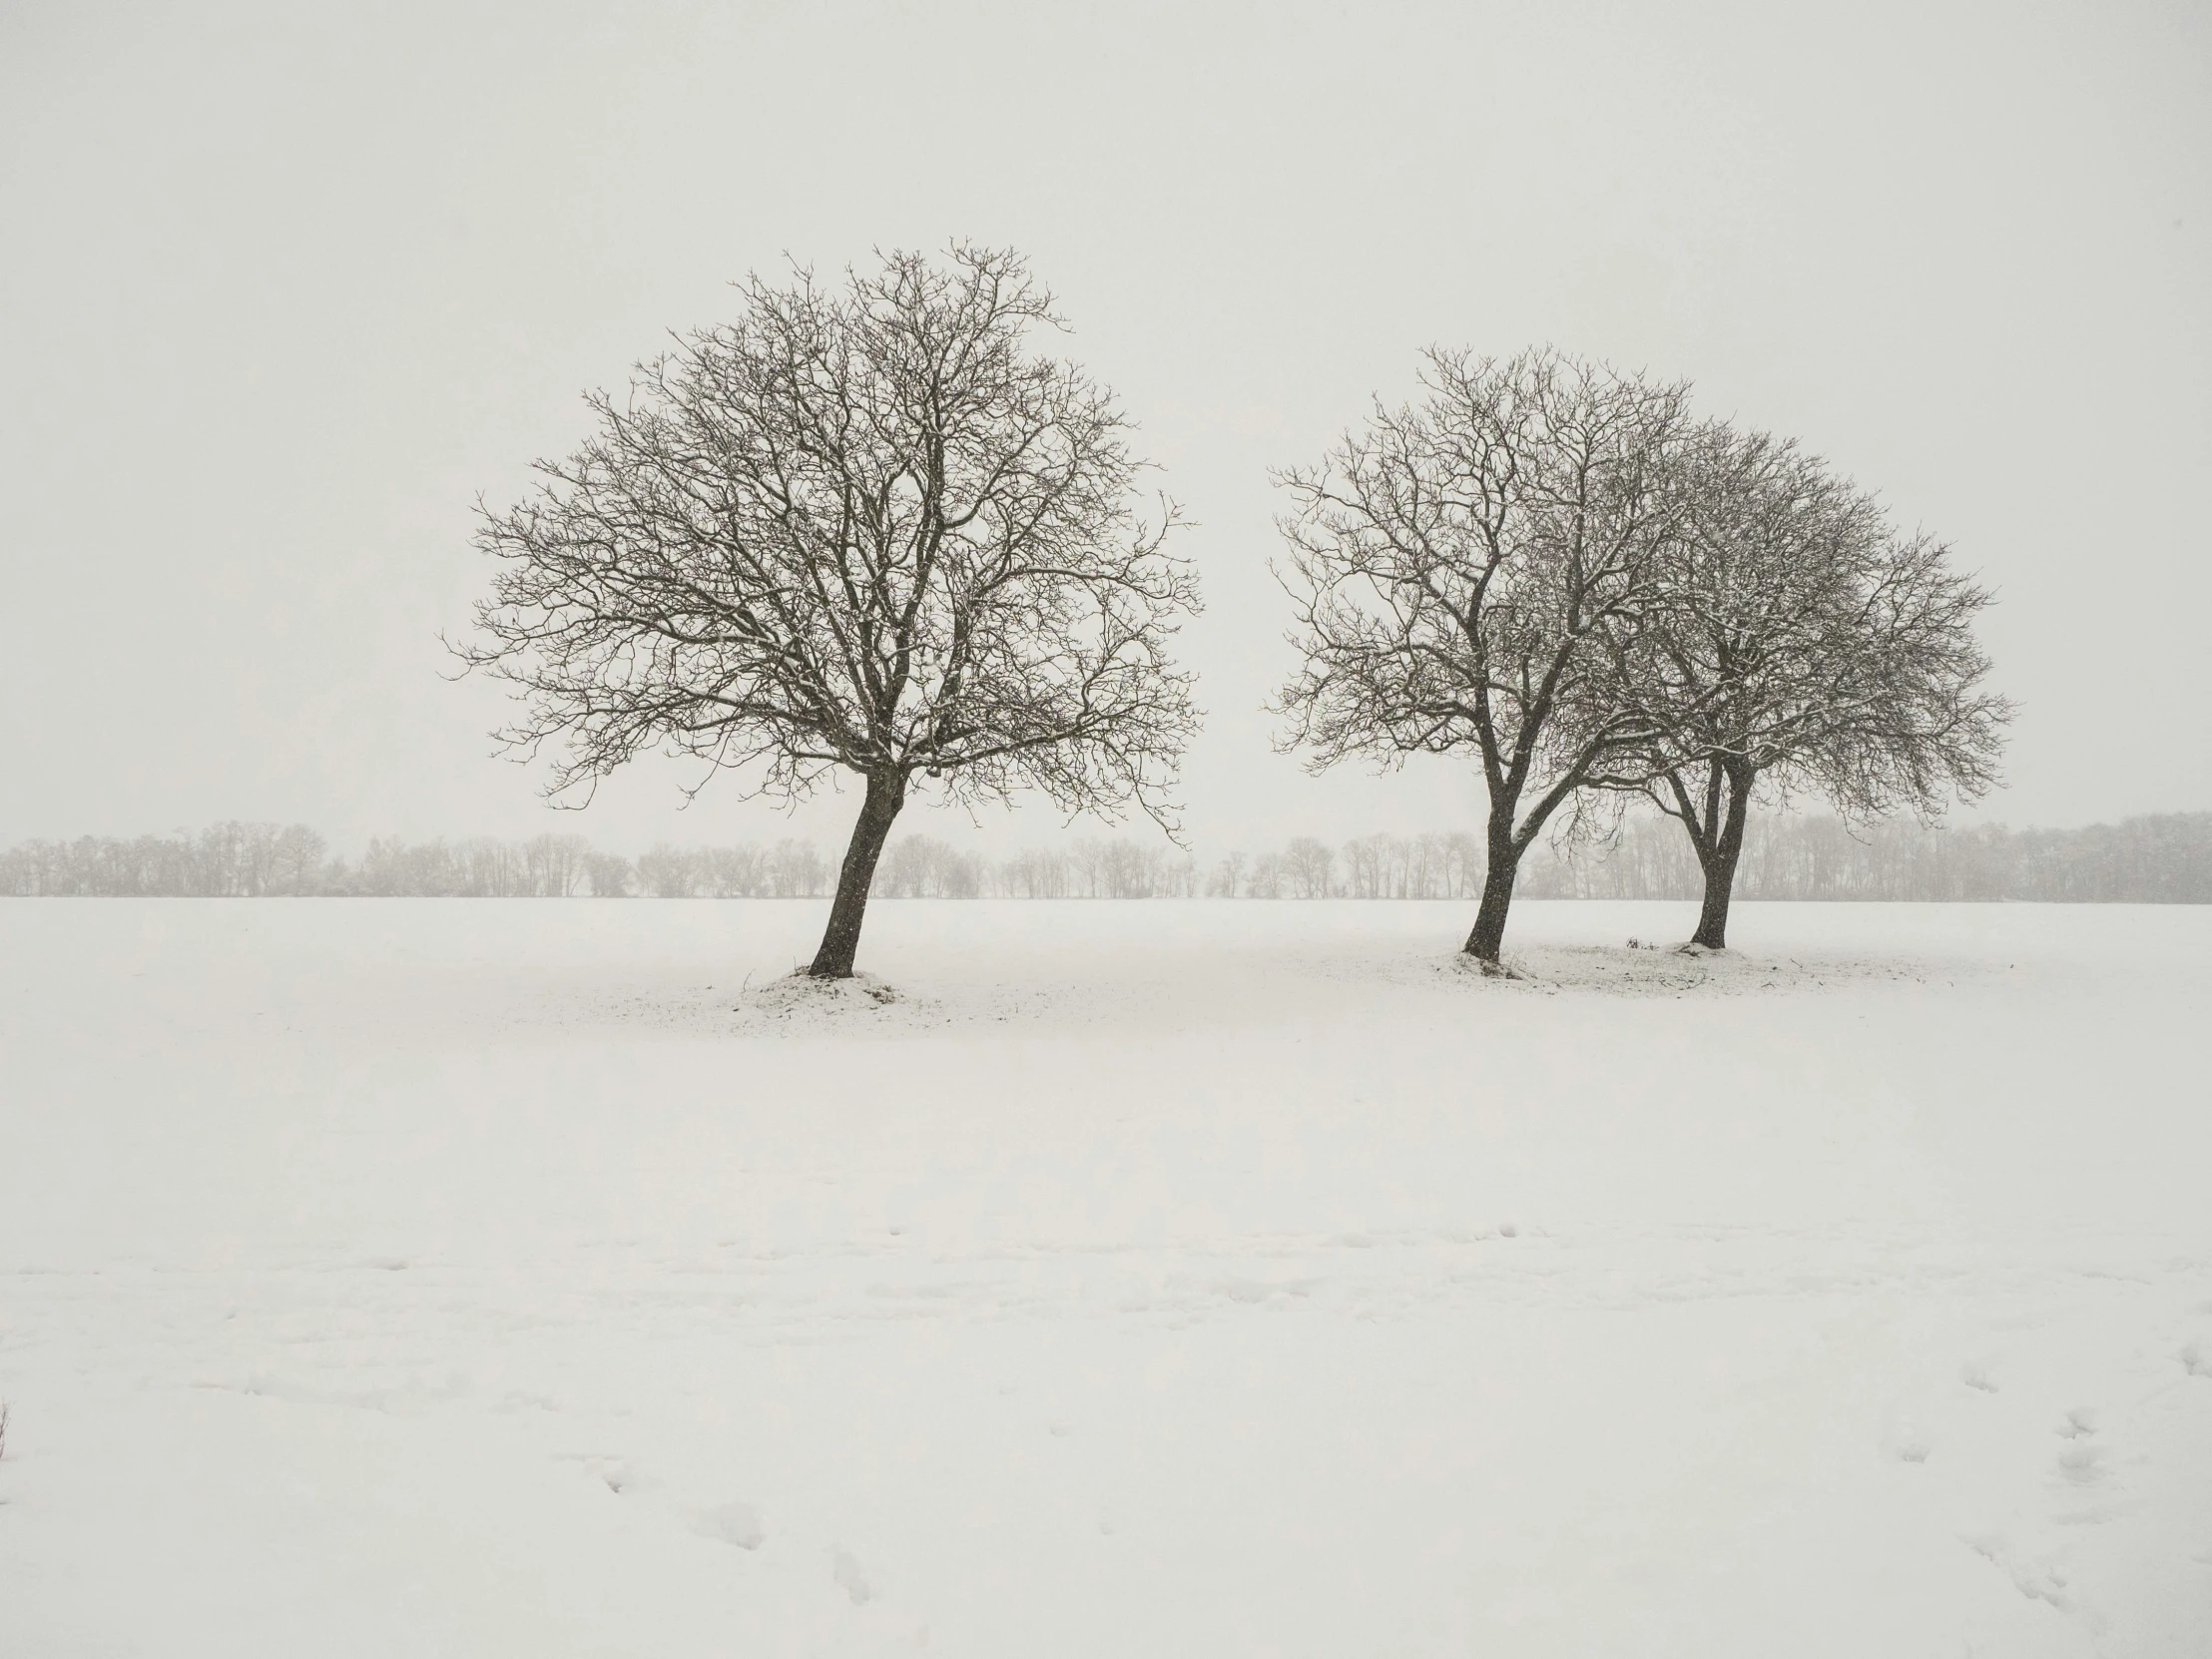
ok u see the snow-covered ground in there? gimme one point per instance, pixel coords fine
(1179, 1279)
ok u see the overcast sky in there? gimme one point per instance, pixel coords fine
(282, 289)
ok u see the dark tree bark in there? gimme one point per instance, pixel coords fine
(1716, 829)
(1499, 875)
(841, 940)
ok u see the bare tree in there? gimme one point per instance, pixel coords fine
(796, 870)
(610, 875)
(1228, 877)
(1368, 866)
(1311, 867)
(667, 872)
(298, 857)
(1040, 873)
(736, 871)
(1268, 876)
(1803, 647)
(1463, 571)
(555, 865)
(860, 530)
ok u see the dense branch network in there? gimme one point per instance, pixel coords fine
(1552, 567)
(858, 529)
(1804, 647)
(1465, 570)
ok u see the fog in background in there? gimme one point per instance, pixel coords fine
(285, 288)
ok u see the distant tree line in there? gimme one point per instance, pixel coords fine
(2160, 860)
(224, 860)
(268, 860)
(2164, 858)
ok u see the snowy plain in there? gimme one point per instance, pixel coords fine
(484, 1278)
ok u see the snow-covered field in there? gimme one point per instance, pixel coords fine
(1181, 1279)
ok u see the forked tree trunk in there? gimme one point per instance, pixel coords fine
(841, 943)
(1716, 855)
(1489, 937)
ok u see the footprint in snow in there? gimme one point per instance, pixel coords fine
(850, 1579)
(1976, 1375)
(615, 1473)
(730, 1523)
(2081, 1460)
(2082, 1463)
(2044, 1581)
(1907, 1443)
(619, 1476)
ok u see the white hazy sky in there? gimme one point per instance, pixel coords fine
(284, 287)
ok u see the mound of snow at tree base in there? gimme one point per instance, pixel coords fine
(1213, 1279)
(799, 996)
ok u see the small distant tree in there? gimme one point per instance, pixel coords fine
(922, 866)
(859, 531)
(1040, 873)
(610, 875)
(555, 865)
(1268, 879)
(1463, 571)
(736, 871)
(1803, 647)
(1310, 865)
(667, 872)
(1090, 860)
(796, 870)
(1368, 863)
(296, 864)
(1121, 869)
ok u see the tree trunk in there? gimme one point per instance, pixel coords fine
(841, 943)
(1719, 862)
(1504, 864)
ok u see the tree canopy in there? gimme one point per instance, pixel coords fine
(859, 529)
